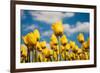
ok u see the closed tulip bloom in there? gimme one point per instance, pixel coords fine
(67, 47)
(72, 44)
(23, 50)
(85, 45)
(53, 39)
(25, 39)
(36, 34)
(58, 28)
(54, 46)
(31, 38)
(38, 46)
(64, 40)
(62, 48)
(80, 38)
(79, 51)
(43, 44)
(46, 52)
(54, 42)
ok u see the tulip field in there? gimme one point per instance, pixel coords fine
(60, 47)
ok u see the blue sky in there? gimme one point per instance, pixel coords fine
(73, 23)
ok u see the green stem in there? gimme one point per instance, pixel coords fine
(59, 56)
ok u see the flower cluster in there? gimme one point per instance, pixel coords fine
(61, 49)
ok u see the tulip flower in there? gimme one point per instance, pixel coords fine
(80, 38)
(36, 34)
(23, 53)
(31, 38)
(25, 39)
(53, 42)
(38, 47)
(58, 28)
(64, 40)
(54, 39)
(67, 47)
(46, 53)
(43, 44)
(85, 45)
(72, 44)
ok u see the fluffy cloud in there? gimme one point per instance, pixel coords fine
(47, 33)
(29, 27)
(50, 17)
(80, 27)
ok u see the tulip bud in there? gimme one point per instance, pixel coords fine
(80, 38)
(64, 40)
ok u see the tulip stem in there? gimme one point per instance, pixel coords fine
(59, 55)
(35, 56)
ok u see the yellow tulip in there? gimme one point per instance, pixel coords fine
(85, 45)
(31, 38)
(80, 38)
(62, 48)
(58, 28)
(79, 51)
(54, 46)
(67, 47)
(38, 46)
(43, 44)
(54, 39)
(36, 34)
(72, 44)
(46, 52)
(24, 50)
(25, 39)
(54, 42)
(64, 40)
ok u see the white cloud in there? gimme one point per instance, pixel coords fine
(50, 17)
(29, 27)
(47, 33)
(80, 27)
